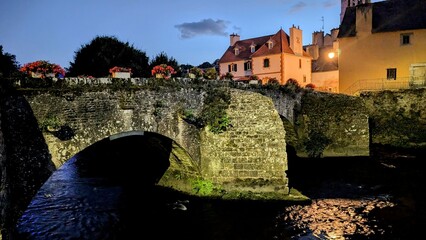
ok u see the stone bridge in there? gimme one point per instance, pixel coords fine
(252, 149)
(249, 155)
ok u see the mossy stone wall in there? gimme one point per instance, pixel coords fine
(331, 125)
(251, 153)
(397, 118)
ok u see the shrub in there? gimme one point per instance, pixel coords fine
(210, 73)
(214, 110)
(253, 77)
(227, 75)
(310, 86)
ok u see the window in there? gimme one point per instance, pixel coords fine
(232, 67)
(270, 44)
(406, 38)
(266, 62)
(300, 63)
(391, 73)
(247, 66)
(236, 51)
(252, 48)
(304, 78)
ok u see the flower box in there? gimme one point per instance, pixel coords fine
(36, 75)
(121, 74)
(162, 71)
(42, 69)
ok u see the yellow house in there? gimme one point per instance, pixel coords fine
(279, 56)
(382, 45)
(325, 62)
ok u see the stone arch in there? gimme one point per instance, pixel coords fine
(121, 171)
(130, 152)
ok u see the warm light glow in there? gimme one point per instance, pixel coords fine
(331, 55)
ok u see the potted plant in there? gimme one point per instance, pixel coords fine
(162, 71)
(43, 69)
(120, 72)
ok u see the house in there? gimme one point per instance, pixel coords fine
(274, 57)
(382, 45)
(325, 60)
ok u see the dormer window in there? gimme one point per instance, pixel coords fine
(236, 51)
(270, 44)
(252, 48)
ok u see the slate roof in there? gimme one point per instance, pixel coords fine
(280, 42)
(388, 16)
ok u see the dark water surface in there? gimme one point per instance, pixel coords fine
(75, 204)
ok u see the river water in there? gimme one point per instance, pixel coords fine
(353, 198)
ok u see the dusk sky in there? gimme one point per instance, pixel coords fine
(190, 31)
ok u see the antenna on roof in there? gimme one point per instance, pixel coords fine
(322, 19)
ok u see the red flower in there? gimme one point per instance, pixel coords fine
(164, 70)
(42, 68)
(119, 69)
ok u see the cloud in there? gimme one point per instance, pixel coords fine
(237, 29)
(298, 7)
(203, 27)
(330, 3)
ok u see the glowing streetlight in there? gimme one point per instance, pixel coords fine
(331, 55)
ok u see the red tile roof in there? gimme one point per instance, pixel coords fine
(280, 40)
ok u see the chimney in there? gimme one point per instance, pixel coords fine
(234, 38)
(318, 38)
(313, 50)
(364, 18)
(334, 33)
(296, 41)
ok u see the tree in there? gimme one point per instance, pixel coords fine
(184, 68)
(205, 65)
(8, 64)
(104, 52)
(162, 58)
(210, 73)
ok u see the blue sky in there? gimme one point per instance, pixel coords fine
(190, 31)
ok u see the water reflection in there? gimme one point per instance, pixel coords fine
(335, 218)
(70, 207)
(357, 198)
(364, 200)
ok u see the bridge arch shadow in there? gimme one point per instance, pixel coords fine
(118, 176)
(135, 157)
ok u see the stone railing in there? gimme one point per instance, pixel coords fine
(381, 84)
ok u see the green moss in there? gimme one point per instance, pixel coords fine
(214, 111)
(205, 187)
(189, 116)
(316, 143)
(50, 123)
(294, 195)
